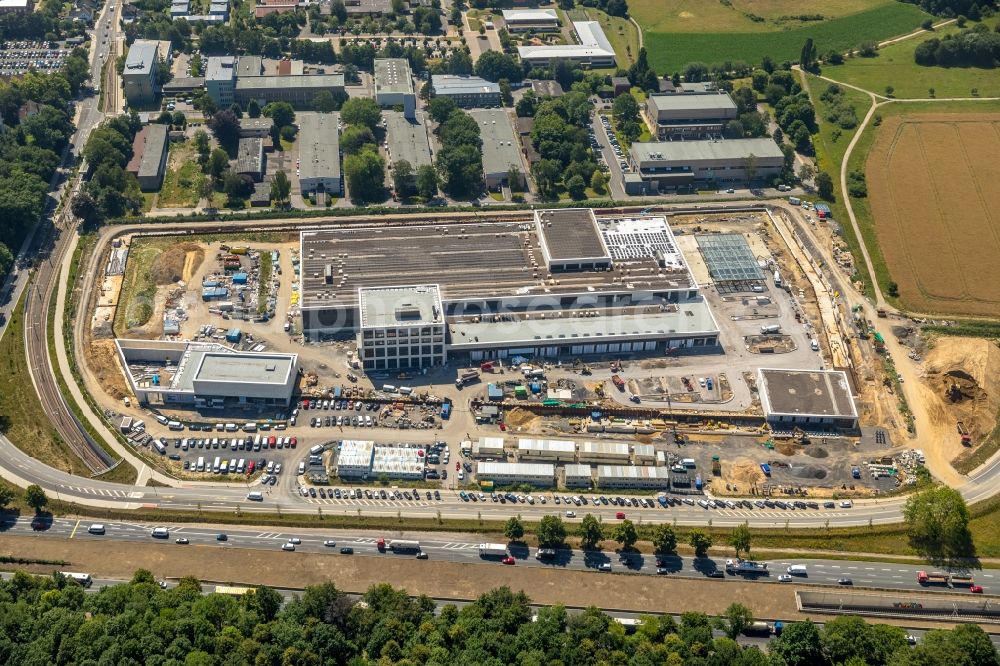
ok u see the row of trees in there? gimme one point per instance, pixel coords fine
(110, 191)
(977, 47)
(50, 620)
(364, 167)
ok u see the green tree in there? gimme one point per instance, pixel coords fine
(576, 187)
(281, 113)
(892, 289)
(807, 57)
(599, 182)
(740, 539)
(35, 497)
(551, 532)
(591, 532)
(799, 645)
(253, 109)
(937, 523)
(402, 179)
(824, 185)
(547, 174)
(324, 102)
(664, 538)
(626, 534)
(354, 138)
(513, 529)
(237, 188)
(226, 127)
(6, 496)
(494, 66)
(461, 168)
(218, 163)
(506, 94)
(737, 617)
(281, 188)
(625, 109)
(700, 541)
(365, 175)
(427, 181)
(363, 111)
(439, 108)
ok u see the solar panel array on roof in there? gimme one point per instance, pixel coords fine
(729, 258)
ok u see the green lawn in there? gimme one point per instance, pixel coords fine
(670, 51)
(895, 67)
(182, 182)
(621, 33)
(740, 15)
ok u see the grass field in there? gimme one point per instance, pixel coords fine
(895, 67)
(931, 181)
(182, 182)
(671, 46)
(621, 33)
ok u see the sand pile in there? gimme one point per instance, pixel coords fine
(965, 374)
(176, 263)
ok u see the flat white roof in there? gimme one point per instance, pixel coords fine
(529, 15)
(537, 470)
(547, 445)
(604, 448)
(632, 472)
(409, 305)
(578, 470)
(593, 44)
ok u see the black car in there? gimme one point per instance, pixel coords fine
(845, 581)
(716, 573)
(347, 550)
(437, 494)
(322, 493)
(312, 492)
(273, 480)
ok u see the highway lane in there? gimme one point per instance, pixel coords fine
(822, 572)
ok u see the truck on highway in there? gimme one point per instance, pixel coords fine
(746, 567)
(492, 550)
(933, 578)
(466, 377)
(398, 545)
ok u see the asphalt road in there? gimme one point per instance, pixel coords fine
(820, 572)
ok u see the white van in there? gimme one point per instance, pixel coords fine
(405, 390)
(201, 464)
(232, 427)
(316, 449)
(96, 528)
(249, 427)
(689, 463)
(160, 533)
(302, 468)
(175, 425)
(388, 388)
(798, 570)
(255, 496)
(162, 419)
(814, 344)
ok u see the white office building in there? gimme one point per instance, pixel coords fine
(398, 462)
(630, 476)
(604, 452)
(507, 474)
(394, 85)
(488, 447)
(401, 327)
(593, 50)
(579, 476)
(354, 460)
(546, 449)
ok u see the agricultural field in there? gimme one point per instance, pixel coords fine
(932, 195)
(894, 66)
(682, 31)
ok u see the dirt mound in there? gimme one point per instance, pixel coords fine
(807, 472)
(176, 263)
(788, 447)
(103, 362)
(816, 452)
(746, 473)
(518, 418)
(964, 373)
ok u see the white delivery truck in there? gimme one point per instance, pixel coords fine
(492, 550)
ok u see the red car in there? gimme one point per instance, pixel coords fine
(293, 442)
(508, 560)
(620, 515)
(271, 441)
(458, 466)
(976, 589)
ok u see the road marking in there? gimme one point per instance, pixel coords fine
(74, 529)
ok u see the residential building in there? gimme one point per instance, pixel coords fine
(501, 150)
(139, 79)
(695, 116)
(220, 80)
(149, 157)
(579, 476)
(813, 400)
(401, 327)
(546, 449)
(319, 153)
(394, 85)
(531, 20)
(296, 90)
(672, 165)
(630, 476)
(509, 474)
(250, 158)
(468, 92)
(593, 50)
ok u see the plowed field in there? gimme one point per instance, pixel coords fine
(932, 185)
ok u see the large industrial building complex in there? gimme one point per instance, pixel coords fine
(671, 165)
(206, 375)
(593, 50)
(566, 284)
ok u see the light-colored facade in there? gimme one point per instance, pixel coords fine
(690, 116)
(579, 476)
(501, 150)
(507, 474)
(319, 153)
(644, 454)
(401, 327)
(139, 79)
(531, 20)
(488, 447)
(546, 449)
(468, 92)
(397, 462)
(604, 452)
(593, 50)
(354, 460)
(16, 6)
(394, 85)
(630, 476)
(220, 80)
(671, 165)
(298, 91)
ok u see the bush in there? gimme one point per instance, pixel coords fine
(928, 24)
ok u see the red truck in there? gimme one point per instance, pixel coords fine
(963, 432)
(618, 382)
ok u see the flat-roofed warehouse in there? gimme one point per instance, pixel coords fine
(501, 150)
(394, 84)
(408, 139)
(669, 165)
(206, 374)
(488, 447)
(690, 116)
(604, 452)
(807, 399)
(579, 475)
(319, 153)
(646, 300)
(534, 20)
(546, 449)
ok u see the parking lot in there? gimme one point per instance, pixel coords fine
(20, 57)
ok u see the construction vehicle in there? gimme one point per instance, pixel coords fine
(964, 434)
(586, 371)
(466, 377)
(486, 366)
(618, 382)
(716, 466)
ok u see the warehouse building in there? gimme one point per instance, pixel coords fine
(593, 50)
(139, 79)
(394, 85)
(672, 165)
(298, 91)
(488, 447)
(680, 116)
(319, 153)
(501, 151)
(579, 476)
(813, 400)
(401, 327)
(604, 452)
(354, 460)
(587, 309)
(645, 454)
(509, 474)
(408, 139)
(630, 476)
(546, 449)
(149, 157)
(468, 92)
(206, 375)
(220, 80)
(397, 462)
(250, 158)
(531, 20)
